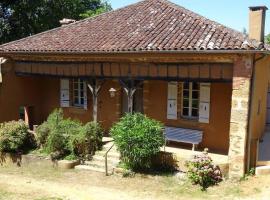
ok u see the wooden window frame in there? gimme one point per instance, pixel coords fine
(190, 99)
(76, 86)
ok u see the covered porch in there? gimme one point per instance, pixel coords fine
(184, 95)
(170, 92)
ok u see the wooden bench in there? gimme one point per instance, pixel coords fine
(184, 135)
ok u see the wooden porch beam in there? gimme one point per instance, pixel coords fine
(94, 86)
(130, 88)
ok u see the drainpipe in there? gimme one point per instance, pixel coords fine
(251, 94)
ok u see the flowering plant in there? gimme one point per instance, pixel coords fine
(202, 171)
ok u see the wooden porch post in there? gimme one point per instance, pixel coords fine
(130, 88)
(94, 85)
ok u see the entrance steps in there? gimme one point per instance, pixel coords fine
(263, 170)
(97, 163)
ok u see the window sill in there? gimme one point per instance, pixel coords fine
(193, 119)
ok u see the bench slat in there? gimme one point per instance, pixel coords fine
(183, 135)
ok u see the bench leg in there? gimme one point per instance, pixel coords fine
(164, 145)
(193, 147)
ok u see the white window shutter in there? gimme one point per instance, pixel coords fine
(172, 101)
(204, 109)
(64, 93)
(85, 95)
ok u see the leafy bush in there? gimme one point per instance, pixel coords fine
(68, 138)
(138, 138)
(52, 122)
(13, 136)
(87, 141)
(202, 171)
(42, 133)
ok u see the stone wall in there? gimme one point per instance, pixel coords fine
(239, 115)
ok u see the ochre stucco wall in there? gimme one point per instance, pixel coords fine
(108, 107)
(259, 106)
(216, 133)
(259, 98)
(16, 92)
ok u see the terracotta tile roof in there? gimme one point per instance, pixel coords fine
(150, 25)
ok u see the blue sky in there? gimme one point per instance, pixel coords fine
(232, 13)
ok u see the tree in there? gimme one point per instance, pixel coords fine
(267, 39)
(21, 18)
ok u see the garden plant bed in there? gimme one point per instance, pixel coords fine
(13, 159)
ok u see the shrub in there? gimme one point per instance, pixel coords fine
(87, 141)
(13, 136)
(42, 133)
(60, 134)
(52, 122)
(202, 171)
(68, 138)
(138, 138)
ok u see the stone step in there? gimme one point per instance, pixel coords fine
(107, 139)
(263, 170)
(263, 163)
(108, 145)
(111, 154)
(90, 168)
(101, 164)
(111, 150)
(102, 159)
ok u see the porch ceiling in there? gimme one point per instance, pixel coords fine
(210, 72)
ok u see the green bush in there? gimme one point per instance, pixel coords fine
(68, 138)
(42, 133)
(52, 122)
(87, 141)
(202, 171)
(138, 138)
(13, 136)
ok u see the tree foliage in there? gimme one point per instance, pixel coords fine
(21, 18)
(267, 39)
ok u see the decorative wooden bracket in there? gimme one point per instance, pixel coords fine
(94, 86)
(130, 88)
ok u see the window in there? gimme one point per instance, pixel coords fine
(78, 92)
(190, 100)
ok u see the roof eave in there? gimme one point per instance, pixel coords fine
(5, 53)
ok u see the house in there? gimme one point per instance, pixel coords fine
(153, 57)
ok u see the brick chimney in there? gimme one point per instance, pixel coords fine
(66, 21)
(257, 22)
